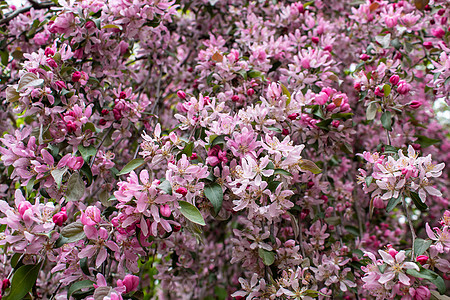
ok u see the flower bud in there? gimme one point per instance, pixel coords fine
(293, 116)
(5, 284)
(193, 156)
(60, 84)
(422, 293)
(89, 24)
(315, 39)
(102, 122)
(117, 114)
(428, 45)
(51, 62)
(394, 79)
(422, 259)
(176, 228)
(335, 123)
(76, 76)
(364, 57)
(357, 86)
(415, 104)
(392, 252)
(165, 210)
(60, 217)
(49, 52)
(235, 98)
(23, 206)
(75, 163)
(122, 95)
(181, 190)
(403, 87)
(378, 92)
(285, 131)
(131, 282)
(250, 92)
(438, 32)
(91, 216)
(181, 95)
(321, 98)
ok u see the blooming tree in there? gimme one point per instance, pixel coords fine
(208, 149)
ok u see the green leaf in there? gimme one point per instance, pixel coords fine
(386, 120)
(220, 292)
(15, 259)
(29, 80)
(426, 141)
(268, 257)
(4, 57)
(75, 188)
(84, 266)
(393, 203)
(344, 116)
(390, 149)
(165, 186)
(307, 165)
(282, 172)
(418, 202)
(22, 281)
(58, 174)
(286, 92)
(429, 275)
(73, 232)
(421, 245)
(30, 185)
(324, 124)
(371, 111)
(213, 192)
(387, 90)
(134, 164)
(254, 74)
(79, 285)
(220, 139)
(384, 40)
(273, 128)
(87, 152)
(369, 180)
(191, 213)
(188, 149)
(86, 170)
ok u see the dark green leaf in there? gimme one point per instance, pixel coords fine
(386, 120)
(188, 149)
(421, 245)
(22, 281)
(134, 164)
(86, 170)
(268, 257)
(213, 192)
(165, 186)
(73, 232)
(87, 152)
(75, 188)
(371, 111)
(84, 284)
(426, 141)
(191, 213)
(393, 203)
(84, 266)
(282, 172)
(418, 202)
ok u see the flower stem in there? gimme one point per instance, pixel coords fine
(411, 227)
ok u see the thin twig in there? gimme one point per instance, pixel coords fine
(411, 227)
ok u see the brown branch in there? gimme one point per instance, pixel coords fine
(34, 4)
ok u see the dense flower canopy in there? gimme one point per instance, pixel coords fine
(231, 149)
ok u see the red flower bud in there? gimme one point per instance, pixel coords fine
(285, 131)
(315, 39)
(5, 284)
(422, 259)
(49, 52)
(394, 79)
(51, 62)
(123, 95)
(102, 122)
(181, 190)
(293, 116)
(364, 57)
(235, 98)
(76, 76)
(181, 95)
(415, 104)
(250, 92)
